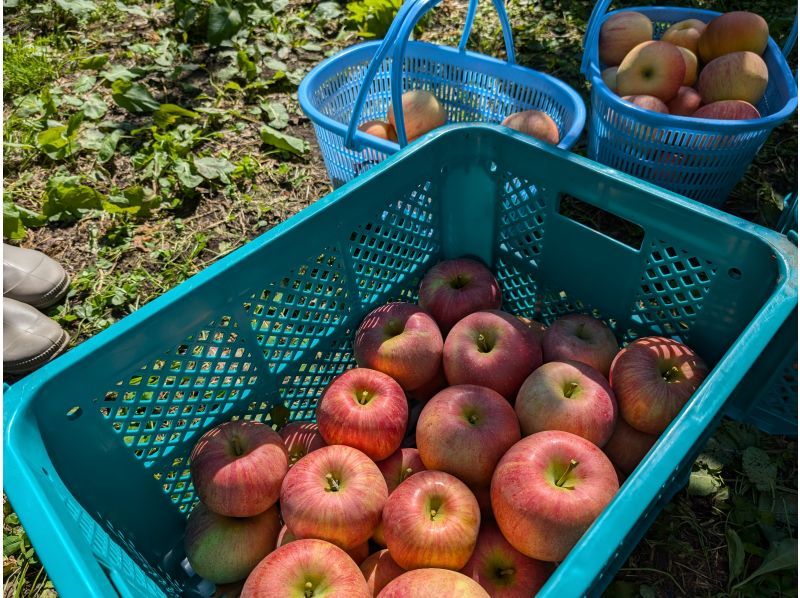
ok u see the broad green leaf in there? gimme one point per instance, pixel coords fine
(84, 83)
(276, 114)
(214, 168)
(187, 178)
(646, 591)
(279, 5)
(79, 8)
(134, 97)
(735, 554)
(327, 11)
(132, 9)
(118, 72)
(14, 230)
(58, 142)
(169, 114)
(67, 200)
(781, 556)
(133, 200)
(759, 468)
(94, 107)
(702, 483)
(223, 23)
(109, 145)
(94, 62)
(246, 66)
(92, 139)
(283, 141)
(275, 64)
(12, 544)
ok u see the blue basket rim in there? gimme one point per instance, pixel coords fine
(686, 122)
(361, 139)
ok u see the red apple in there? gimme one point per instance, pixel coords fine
(652, 68)
(548, 489)
(431, 520)
(380, 129)
(422, 112)
(237, 468)
(307, 568)
(653, 378)
(609, 77)
(569, 396)
(364, 409)
(620, 33)
(426, 583)
(501, 569)
(491, 349)
(685, 34)
(464, 430)
(401, 340)
(336, 494)
(225, 549)
(628, 446)
(537, 328)
(736, 76)
(400, 465)
(483, 495)
(358, 554)
(728, 110)
(580, 337)
(300, 439)
(454, 289)
(534, 123)
(427, 390)
(685, 103)
(690, 62)
(379, 569)
(651, 103)
(733, 32)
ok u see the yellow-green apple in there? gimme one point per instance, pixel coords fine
(401, 340)
(651, 103)
(609, 77)
(690, 62)
(653, 68)
(653, 378)
(728, 110)
(569, 396)
(685, 34)
(548, 489)
(365, 409)
(300, 439)
(430, 388)
(335, 494)
(491, 349)
(304, 569)
(534, 123)
(425, 583)
(422, 112)
(453, 289)
(464, 430)
(379, 569)
(733, 32)
(685, 103)
(501, 569)
(734, 76)
(431, 520)
(628, 446)
(358, 553)
(398, 466)
(620, 33)
(237, 468)
(580, 337)
(225, 549)
(380, 129)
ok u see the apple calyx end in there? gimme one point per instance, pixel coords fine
(433, 514)
(459, 282)
(238, 450)
(672, 374)
(572, 465)
(506, 572)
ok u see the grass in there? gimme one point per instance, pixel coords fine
(133, 154)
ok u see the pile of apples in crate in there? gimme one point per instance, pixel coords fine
(698, 70)
(465, 455)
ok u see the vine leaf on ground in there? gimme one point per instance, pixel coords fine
(283, 141)
(134, 97)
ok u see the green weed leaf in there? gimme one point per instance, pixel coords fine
(759, 468)
(133, 201)
(276, 114)
(117, 72)
(78, 8)
(246, 66)
(60, 142)
(134, 97)
(283, 141)
(214, 168)
(168, 114)
(94, 107)
(735, 554)
(702, 483)
(781, 556)
(223, 23)
(327, 11)
(67, 200)
(94, 62)
(109, 145)
(183, 170)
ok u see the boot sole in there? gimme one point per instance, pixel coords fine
(53, 296)
(26, 366)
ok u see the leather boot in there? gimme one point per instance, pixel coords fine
(30, 338)
(32, 277)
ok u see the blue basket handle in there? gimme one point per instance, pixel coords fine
(407, 17)
(791, 40)
(593, 32)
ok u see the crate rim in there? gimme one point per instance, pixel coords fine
(24, 490)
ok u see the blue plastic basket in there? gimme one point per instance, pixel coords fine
(358, 84)
(96, 443)
(700, 158)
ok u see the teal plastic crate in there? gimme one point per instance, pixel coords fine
(97, 442)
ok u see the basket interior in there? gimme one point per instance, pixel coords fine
(272, 325)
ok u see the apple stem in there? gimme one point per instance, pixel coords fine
(405, 473)
(570, 389)
(472, 418)
(364, 397)
(237, 446)
(482, 344)
(309, 590)
(433, 514)
(506, 572)
(333, 484)
(572, 465)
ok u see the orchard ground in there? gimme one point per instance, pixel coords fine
(134, 197)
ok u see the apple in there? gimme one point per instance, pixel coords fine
(425, 583)
(237, 468)
(690, 62)
(422, 112)
(364, 409)
(651, 103)
(735, 76)
(620, 33)
(728, 110)
(430, 388)
(580, 337)
(400, 465)
(537, 328)
(534, 123)
(229, 590)
(379, 569)
(685, 34)
(609, 77)
(453, 289)
(307, 568)
(380, 129)
(335, 494)
(225, 549)
(652, 68)
(569, 396)
(548, 489)
(401, 340)
(300, 439)
(653, 378)
(501, 569)
(464, 430)
(685, 103)
(358, 554)
(431, 520)
(484, 497)
(628, 446)
(491, 349)
(733, 32)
